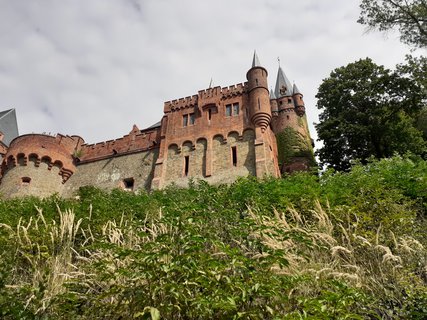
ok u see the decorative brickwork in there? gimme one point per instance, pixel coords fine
(217, 135)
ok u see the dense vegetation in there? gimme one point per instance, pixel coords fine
(368, 110)
(345, 245)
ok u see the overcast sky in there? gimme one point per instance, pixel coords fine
(96, 67)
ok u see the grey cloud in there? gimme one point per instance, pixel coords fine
(100, 66)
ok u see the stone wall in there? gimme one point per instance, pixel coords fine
(31, 180)
(223, 168)
(111, 173)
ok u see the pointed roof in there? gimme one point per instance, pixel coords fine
(8, 125)
(255, 61)
(272, 95)
(295, 90)
(283, 85)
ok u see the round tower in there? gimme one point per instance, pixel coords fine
(259, 99)
(298, 101)
(38, 165)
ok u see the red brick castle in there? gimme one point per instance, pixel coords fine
(217, 135)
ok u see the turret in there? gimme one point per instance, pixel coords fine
(273, 103)
(290, 126)
(298, 101)
(259, 99)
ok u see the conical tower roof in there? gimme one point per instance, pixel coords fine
(283, 85)
(295, 90)
(272, 95)
(255, 61)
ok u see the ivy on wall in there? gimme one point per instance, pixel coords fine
(292, 144)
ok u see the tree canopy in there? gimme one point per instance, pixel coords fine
(367, 110)
(408, 16)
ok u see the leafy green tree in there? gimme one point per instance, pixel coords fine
(367, 110)
(408, 16)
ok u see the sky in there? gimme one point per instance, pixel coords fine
(94, 68)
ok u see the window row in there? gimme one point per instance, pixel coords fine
(230, 110)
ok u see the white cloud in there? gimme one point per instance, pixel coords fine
(94, 68)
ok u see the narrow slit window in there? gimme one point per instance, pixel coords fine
(186, 165)
(185, 120)
(234, 156)
(209, 114)
(259, 105)
(256, 81)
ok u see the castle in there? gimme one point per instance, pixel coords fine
(217, 135)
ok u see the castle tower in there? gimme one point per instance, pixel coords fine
(38, 164)
(259, 100)
(289, 123)
(260, 116)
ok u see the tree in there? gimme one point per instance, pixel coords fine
(416, 69)
(367, 110)
(408, 16)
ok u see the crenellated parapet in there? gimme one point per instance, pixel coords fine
(182, 103)
(53, 151)
(136, 141)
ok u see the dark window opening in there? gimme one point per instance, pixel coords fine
(256, 81)
(186, 165)
(289, 100)
(128, 184)
(25, 181)
(234, 156)
(287, 117)
(280, 102)
(209, 114)
(185, 120)
(236, 109)
(259, 105)
(228, 110)
(192, 118)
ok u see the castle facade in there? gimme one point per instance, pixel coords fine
(217, 135)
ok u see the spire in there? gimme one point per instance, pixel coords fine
(272, 95)
(295, 90)
(255, 61)
(283, 85)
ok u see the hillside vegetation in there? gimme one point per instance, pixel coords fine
(343, 246)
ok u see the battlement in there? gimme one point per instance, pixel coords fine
(42, 148)
(215, 93)
(218, 92)
(187, 102)
(135, 141)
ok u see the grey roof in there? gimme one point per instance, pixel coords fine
(283, 85)
(157, 124)
(295, 90)
(8, 125)
(255, 61)
(272, 95)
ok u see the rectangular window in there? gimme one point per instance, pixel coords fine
(234, 156)
(192, 118)
(209, 114)
(235, 109)
(185, 120)
(186, 165)
(228, 110)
